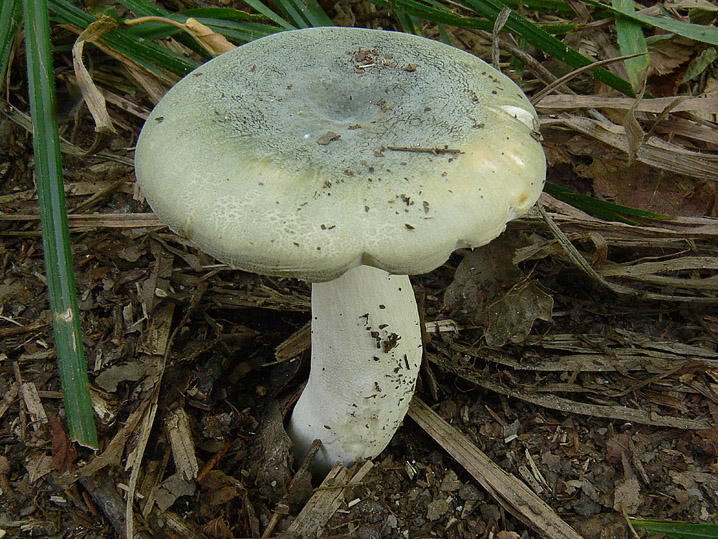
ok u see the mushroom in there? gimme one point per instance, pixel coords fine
(350, 158)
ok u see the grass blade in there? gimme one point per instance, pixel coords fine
(150, 56)
(631, 41)
(304, 13)
(260, 8)
(9, 23)
(409, 23)
(546, 42)
(696, 32)
(678, 530)
(600, 208)
(55, 233)
(434, 13)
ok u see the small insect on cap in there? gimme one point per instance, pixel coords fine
(308, 152)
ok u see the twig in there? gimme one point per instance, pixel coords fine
(423, 150)
(568, 406)
(282, 506)
(499, 23)
(543, 74)
(510, 492)
(583, 265)
(576, 72)
(324, 503)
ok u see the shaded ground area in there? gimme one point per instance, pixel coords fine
(605, 405)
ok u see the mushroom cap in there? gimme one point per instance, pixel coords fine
(308, 152)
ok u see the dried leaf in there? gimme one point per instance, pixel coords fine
(221, 487)
(63, 452)
(217, 43)
(512, 317)
(214, 43)
(491, 291)
(634, 134)
(627, 496)
(128, 372)
(93, 97)
(172, 488)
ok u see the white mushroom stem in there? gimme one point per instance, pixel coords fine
(366, 353)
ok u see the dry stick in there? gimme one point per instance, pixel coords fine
(24, 121)
(509, 491)
(543, 74)
(499, 23)
(583, 265)
(422, 150)
(566, 78)
(282, 507)
(326, 499)
(567, 406)
(212, 462)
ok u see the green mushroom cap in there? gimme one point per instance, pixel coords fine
(308, 152)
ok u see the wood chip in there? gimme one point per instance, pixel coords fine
(8, 398)
(326, 500)
(180, 436)
(33, 404)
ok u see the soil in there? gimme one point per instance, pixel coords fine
(164, 324)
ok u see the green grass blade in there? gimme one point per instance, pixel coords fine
(600, 208)
(696, 32)
(293, 13)
(55, 233)
(678, 530)
(315, 15)
(556, 7)
(546, 42)
(631, 41)
(233, 24)
(434, 13)
(304, 13)
(260, 8)
(409, 23)
(9, 23)
(152, 57)
(700, 64)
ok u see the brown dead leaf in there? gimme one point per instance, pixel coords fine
(217, 43)
(616, 446)
(272, 453)
(111, 377)
(491, 291)
(634, 133)
(221, 487)
(94, 99)
(669, 60)
(214, 43)
(63, 452)
(218, 528)
(172, 488)
(707, 440)
(627, 496)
